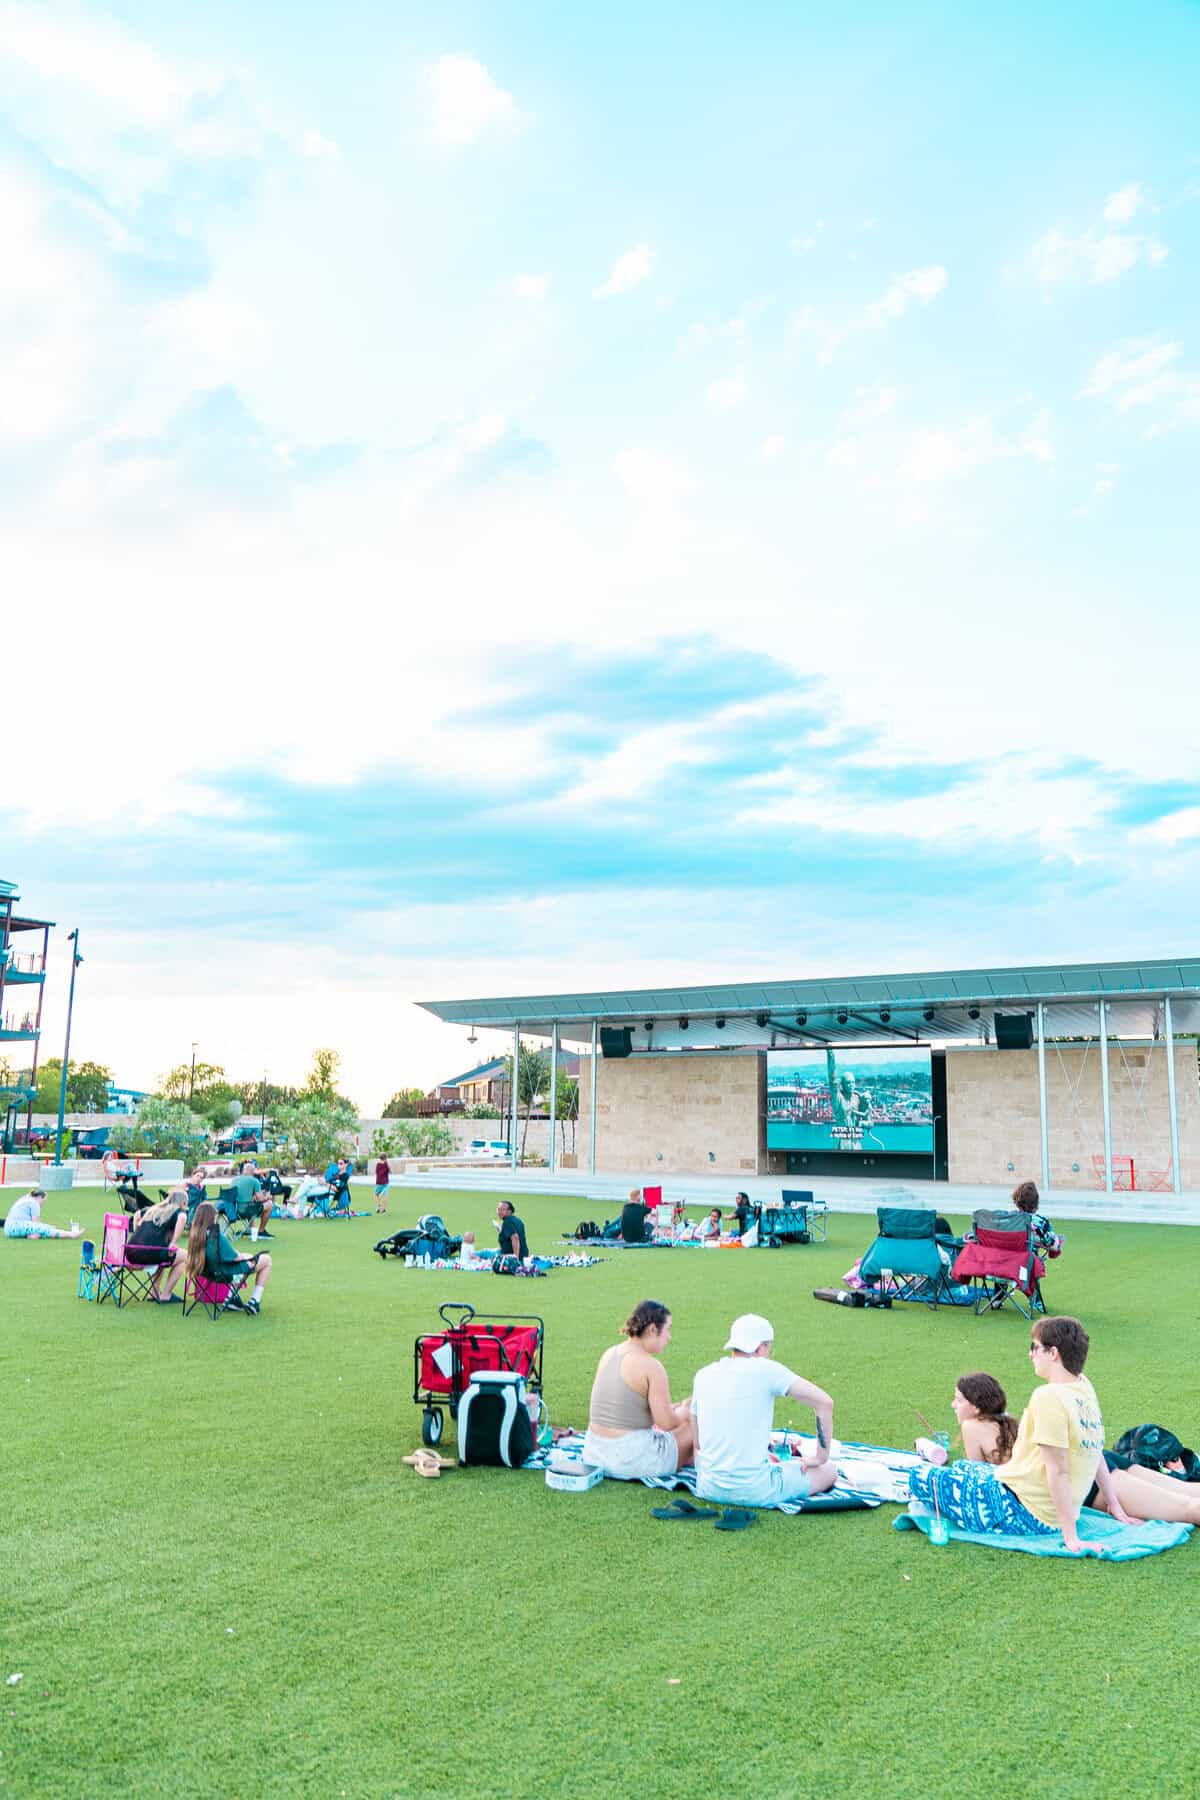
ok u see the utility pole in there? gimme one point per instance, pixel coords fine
(192, 1077)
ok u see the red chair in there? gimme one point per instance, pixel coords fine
(213, 1297)
(652, 1197)
(1002, 1266)
(120, 1280)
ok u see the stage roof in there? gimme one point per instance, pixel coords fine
(761, 1013)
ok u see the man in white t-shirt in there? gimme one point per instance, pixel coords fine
(733, 1403)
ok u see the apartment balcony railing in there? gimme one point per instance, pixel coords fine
(22, 965)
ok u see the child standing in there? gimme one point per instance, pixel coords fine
(383, 1176)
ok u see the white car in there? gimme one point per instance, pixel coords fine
(494, 1149)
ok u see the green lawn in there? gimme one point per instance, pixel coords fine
(220, 1578)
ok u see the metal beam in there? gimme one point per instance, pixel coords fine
(551, 1161)
(1105, 1098)
(516, 1088)
(592, 1141)
(1176, 1171)
(1041, 1050)
(876, 1024)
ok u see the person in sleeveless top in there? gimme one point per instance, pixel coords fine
(633, 1428)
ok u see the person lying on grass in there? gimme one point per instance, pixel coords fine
(733, 1403)
(25, 1219)
(210, 1253)
(1056, 1456)
(156, 1242)
(989, 1433)
(633, 1428)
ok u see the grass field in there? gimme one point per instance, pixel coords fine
(220, 1577)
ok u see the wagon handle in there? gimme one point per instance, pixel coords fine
(456, 1306)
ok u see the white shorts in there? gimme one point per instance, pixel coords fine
(633, 1455)
(766, 1486)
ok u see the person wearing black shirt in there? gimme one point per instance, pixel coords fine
(743, 1212)
(512, 1232)
(155, 1242)
(633, 1218)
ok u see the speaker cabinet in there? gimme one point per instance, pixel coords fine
(616, 1041)
(1014, 1031)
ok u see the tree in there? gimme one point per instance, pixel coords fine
(323, 1077)
(316, 1129)
(414, 1137)
(534, 1078)
(566, 1108)
(209, 1083)
(403, 1103)
(160, 1128)
(87, 1086)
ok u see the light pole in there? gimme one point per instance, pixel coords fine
(76, 959)
(263, 1132)
(192, 1077)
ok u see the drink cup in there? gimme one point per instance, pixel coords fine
(939, 1531)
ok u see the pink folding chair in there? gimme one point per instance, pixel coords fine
(213, 1297)
(119, 1279)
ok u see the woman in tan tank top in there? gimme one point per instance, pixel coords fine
(633, 1428)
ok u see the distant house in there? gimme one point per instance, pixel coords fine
(487, 1085)
(123, 1100)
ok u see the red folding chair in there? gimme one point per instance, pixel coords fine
(1002, 1266)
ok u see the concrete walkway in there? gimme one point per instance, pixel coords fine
(840, 1194)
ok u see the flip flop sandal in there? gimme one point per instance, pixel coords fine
(683, 1509)
(428, 1462)
(736, 1518)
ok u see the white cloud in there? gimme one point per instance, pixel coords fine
(651, 477)
(629, 271)
(1143, 373)
(98, 56)
(531, 287)
(725, 395)
(467, 101)
(920, 286)
(1181, 827)
(843, 454)
(1122, 206)
(319, 147)
(945, 455)
(772, 448)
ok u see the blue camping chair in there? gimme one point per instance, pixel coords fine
(906, 1260)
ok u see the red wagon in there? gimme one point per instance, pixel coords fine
(445, 1362)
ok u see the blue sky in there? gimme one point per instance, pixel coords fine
(508, 498)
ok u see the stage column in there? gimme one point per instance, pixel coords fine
(516, 1088)
(1105, 1097)
(1176, 1171)
(553, 1159)
(1041, 1049)
(592, 1144)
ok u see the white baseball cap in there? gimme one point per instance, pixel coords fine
(748, 1332)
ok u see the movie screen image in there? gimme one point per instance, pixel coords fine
(874, 1102)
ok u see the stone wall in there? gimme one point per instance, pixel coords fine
(679, 1108)
(994, 1117)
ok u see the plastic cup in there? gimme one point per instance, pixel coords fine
(939, 1531)
(942, 1438)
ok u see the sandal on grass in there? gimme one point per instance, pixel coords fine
(680, 1508)
(428, 1462)
(736, 1518)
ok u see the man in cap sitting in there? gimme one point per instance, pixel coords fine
(733, 1403)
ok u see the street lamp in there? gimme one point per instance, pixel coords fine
(76, 959)
(263, 1132)
(192, 1076)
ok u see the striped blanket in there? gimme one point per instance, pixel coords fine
(868, 1474)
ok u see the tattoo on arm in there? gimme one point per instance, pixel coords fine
(821, 1435)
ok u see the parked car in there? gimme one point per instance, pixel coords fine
(91, 1141)
(245, 1140)
(493, 1149)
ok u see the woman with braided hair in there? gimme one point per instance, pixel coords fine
(989, 1430)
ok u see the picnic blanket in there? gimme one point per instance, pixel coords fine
(484, 1266)
(869, 1475)
(1119, 1543)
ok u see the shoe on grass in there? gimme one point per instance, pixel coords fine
(251, 1306)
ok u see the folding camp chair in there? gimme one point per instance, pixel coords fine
(906, 1260)
(1003, 1266)
(334, 1203)
(119, 1280)
(89, 1272)
(213, 1297)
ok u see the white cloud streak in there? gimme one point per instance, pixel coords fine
(630, 270)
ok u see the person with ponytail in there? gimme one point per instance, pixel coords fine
(989, 1430)
(211, 1254)
(633, 1428)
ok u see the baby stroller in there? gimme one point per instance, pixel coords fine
(429, 1238)
(446, 1362)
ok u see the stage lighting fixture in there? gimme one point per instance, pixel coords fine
(649, 1025)
(760, 1020)
(802, 1018)
(842, 1017)
(720, 1024)
(928, 1015)
(683, 1024)
(884, 1015)
(972, 1012)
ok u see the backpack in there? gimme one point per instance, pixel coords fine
(1150, 1446)
(587, 1228)
(494, 1427)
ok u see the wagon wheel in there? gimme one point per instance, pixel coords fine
(431, 1426)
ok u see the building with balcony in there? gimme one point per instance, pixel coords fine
(24, 946)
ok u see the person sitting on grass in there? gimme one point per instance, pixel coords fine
(276, 1187)
(511, 1231)
(633, 1218)
(733, 1403)
(1056, 1458)
(711, 1228)
(156, 1242)
(633, 1428)
(989, 1434)
(210, 1254)
(25, 1219)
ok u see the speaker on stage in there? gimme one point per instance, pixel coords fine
(616, 1041)
(1014, 1031)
